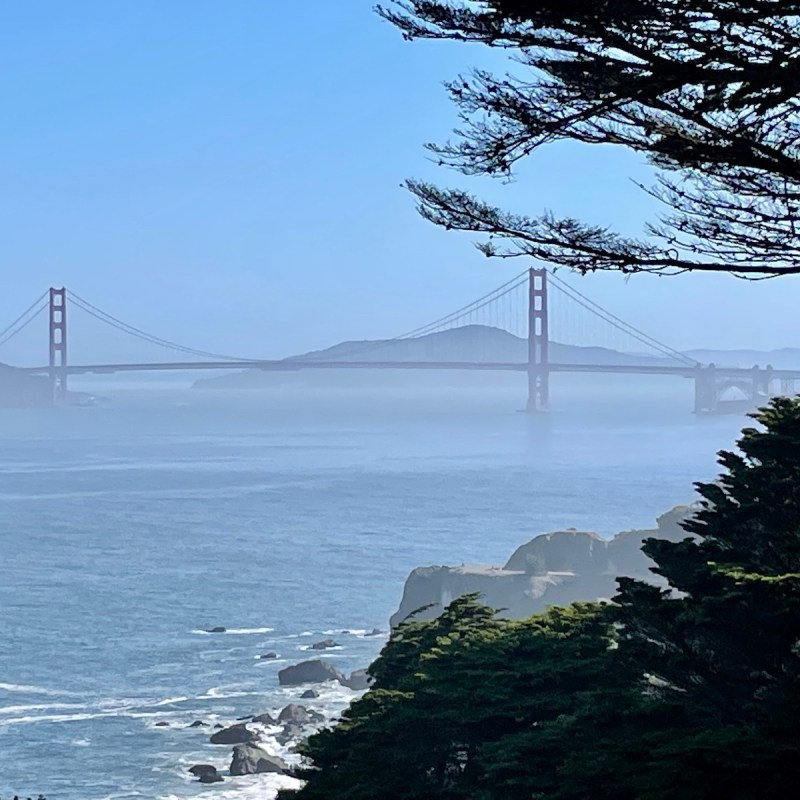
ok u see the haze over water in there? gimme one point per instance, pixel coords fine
(127, 529)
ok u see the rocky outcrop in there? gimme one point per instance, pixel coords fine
(290, 733)
(248, 759)
(294, 713)
(235, 734)
(358, 681)
(206, 773)
(552, 569)
(325, 644)
(264, 719)
(314, 671)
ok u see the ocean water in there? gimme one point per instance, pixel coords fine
(129, 528)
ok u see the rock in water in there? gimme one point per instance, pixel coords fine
(325, 644)
(268, 656)
(316, 671)
(265, 719)
(206, 773)
(291, 732)
(217, 629)
(294, 713)
(358, 681)
(248, 759)
(198, 723)
(236, 734)
(309, 694)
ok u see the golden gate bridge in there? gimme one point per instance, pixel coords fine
(538, 330)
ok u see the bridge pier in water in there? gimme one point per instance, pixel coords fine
(58, 346)
(538, 342)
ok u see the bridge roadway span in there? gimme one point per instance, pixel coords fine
(295, 364)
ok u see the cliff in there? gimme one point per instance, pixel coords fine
(552, 569)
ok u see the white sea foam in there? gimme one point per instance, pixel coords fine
(226, 692)
(246, 631)
(168, 702)
(28, 720)
(23, 688)
(255, 787)
(40, 707)
(351, 632)
(233, 632)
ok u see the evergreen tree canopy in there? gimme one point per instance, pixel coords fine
(691, 691)
(727, 632)
(707, 90)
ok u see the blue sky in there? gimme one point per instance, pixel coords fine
(228, 175)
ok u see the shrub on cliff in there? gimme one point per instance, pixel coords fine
(690, 691)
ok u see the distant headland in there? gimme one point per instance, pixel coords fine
(472, 343)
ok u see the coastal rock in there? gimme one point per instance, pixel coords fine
(358, 681)
(264, 719)
(314, 671)
(248, 759)
(206, 773)
(217, 629)
(295, 714)
(268, 656)
(198, 723)
(374, 632)
(291, 733)
(162, 724)
(309, 694)
(552, 569)
(325, 644)
(235, 734)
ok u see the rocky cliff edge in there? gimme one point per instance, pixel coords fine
(552, 569)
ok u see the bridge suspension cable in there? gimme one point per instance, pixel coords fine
(24, 319)
(138, 333)
(464, 311)
(613, 320)
(442, 323)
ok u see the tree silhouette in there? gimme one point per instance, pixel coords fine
(707, 90)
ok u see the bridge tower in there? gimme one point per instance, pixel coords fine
(58, 345)
(538, 341)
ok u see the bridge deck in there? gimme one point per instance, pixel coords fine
(293, 365)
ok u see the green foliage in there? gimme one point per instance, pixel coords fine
(723, 638)
(455, 698)
(690, 691)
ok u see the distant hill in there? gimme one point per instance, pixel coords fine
(785, 358)
(484, 344)
(469, 344)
